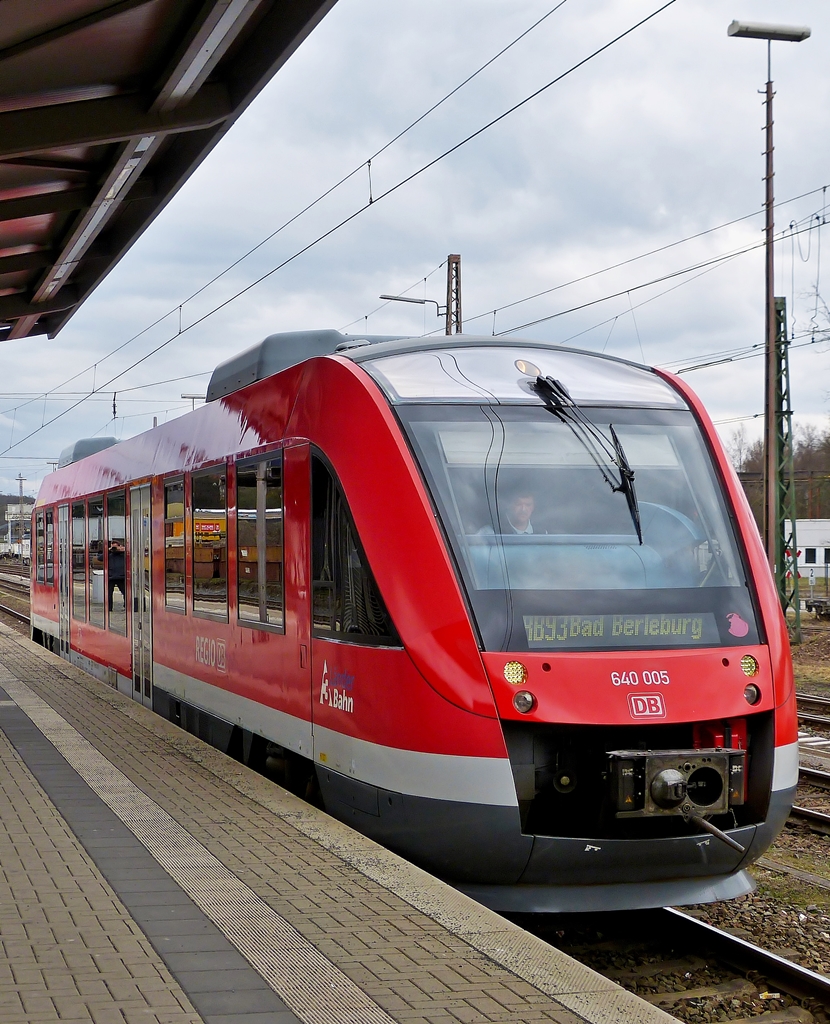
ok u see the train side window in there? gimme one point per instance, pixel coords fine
(117, 563)
(346, 602)
(259, 533)
(810, 556)
(40, 547)
(174, 544)
(210, 544)
(79, 561)
(95, 546)
(50, 547)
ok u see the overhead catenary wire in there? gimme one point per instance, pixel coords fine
(66, 396)
(752, 351)
(710, 263)
(738, 419)
(421, 280)
(702, 268)
(640, 256)
(644, 302)
(716, 264)
(315, 202)
(56, 395)
(362, 209)
(713, 261)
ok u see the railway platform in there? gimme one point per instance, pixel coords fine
(145, 878)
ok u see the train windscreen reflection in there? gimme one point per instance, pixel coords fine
(548, 549)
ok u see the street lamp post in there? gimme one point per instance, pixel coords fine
(452, 311)
(792, 34)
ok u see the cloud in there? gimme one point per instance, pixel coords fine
(652, 141)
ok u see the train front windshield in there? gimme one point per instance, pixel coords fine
(550, 553)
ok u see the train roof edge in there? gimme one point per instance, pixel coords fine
(280, 351)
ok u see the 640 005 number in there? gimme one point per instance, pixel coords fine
(649, 678)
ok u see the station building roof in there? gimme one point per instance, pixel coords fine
(106, 108)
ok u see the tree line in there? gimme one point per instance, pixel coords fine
(811, 465)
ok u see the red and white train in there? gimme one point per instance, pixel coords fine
(499, 604)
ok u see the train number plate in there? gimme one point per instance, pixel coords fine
(657, 677)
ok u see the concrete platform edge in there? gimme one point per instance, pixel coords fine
(572, 984)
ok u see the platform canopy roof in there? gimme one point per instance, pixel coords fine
(106, 108)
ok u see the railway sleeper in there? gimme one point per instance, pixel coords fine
(735, 988)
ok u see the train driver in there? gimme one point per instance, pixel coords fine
(516, 507)
(518, 510)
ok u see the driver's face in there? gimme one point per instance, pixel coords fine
(520, 509)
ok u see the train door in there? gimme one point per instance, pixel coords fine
(296, 461)
(63, 580)
(141, 555)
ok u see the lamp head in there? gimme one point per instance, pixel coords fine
(403, 298)
(757, 30)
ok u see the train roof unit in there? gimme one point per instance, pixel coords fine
(279, 352)
(83, 448)
(454, 368)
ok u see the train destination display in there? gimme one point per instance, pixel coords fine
(658, 630)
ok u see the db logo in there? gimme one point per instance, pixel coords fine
(646, 705)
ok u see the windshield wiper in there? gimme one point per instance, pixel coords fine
(627, 482)
(607, 459)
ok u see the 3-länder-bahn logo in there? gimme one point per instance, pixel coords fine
(336, 692)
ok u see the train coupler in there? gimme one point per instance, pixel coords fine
(650, 783)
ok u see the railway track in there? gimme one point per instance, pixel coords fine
(746, 956)
(7, 565)
(694, 967)
(15, 614)
(14, 586)
(819, 821)
(814, 710)
(14, 592)
(815, 777)
(687, 967)
(693, 970)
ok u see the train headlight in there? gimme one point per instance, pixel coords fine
(752, 694)
(515, 672)
(749, 666)
(524, 701)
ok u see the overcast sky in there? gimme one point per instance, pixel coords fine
(655, 140)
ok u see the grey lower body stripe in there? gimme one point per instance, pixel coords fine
(315, 989)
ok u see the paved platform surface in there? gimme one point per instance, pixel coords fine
(145, 877)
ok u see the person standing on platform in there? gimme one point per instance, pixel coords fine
(117, 571)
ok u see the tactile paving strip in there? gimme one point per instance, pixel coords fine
(314, 988)
(513, 956)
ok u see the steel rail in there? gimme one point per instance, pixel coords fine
(15, 614)
(822, 720)
(808, 698)
(819, 820)
(815, 776)
(791, 977)
(15, 586)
